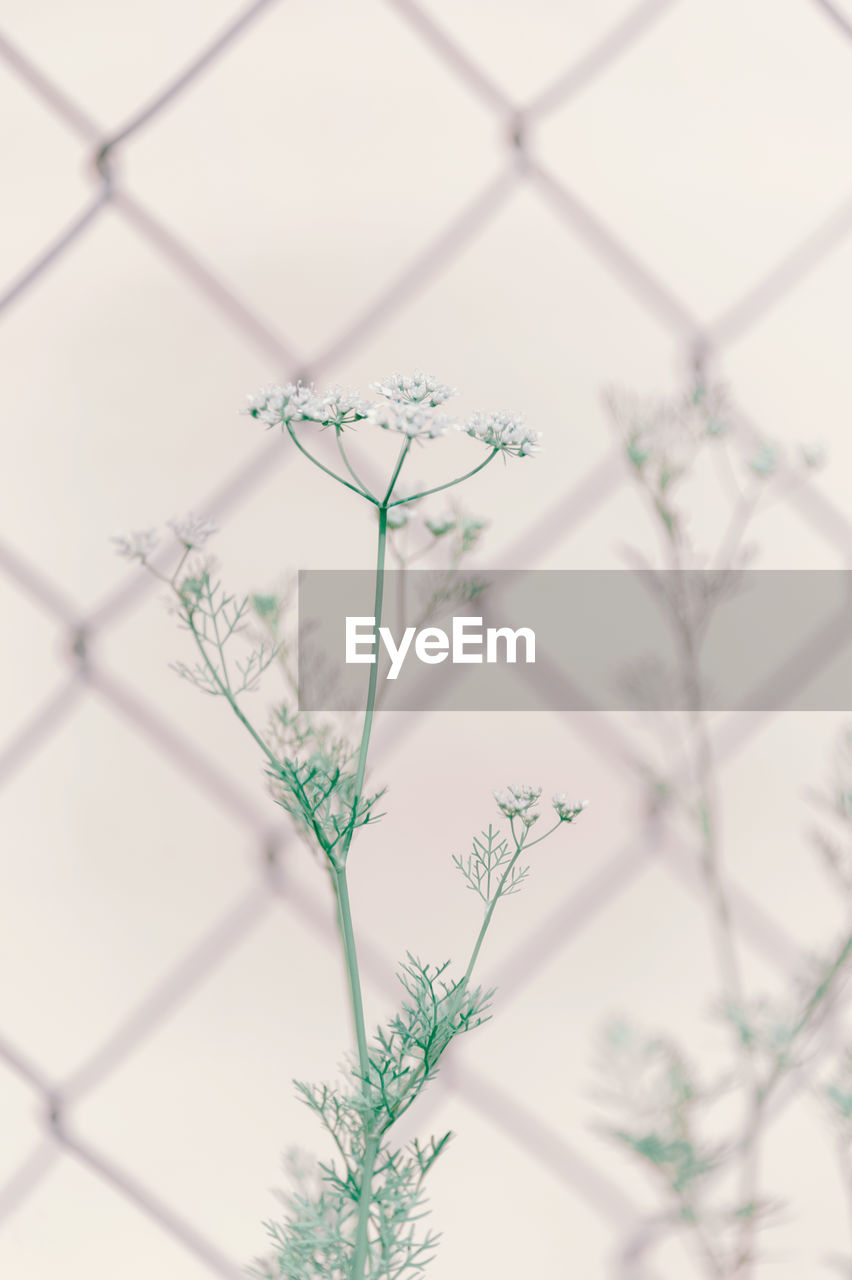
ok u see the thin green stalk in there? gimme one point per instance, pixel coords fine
(705, 782)
(360, 1252)
(726, 949)
(367, 492)
(338, 869)
(359, 1256)
(810, 1010)
(226, 693)
(328, 471)
(353, 974)
(378, 601)
(403, 454)
(480, 937)
(762, 1092)
(450, 483)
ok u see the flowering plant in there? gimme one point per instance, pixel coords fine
(357, 1215)
(658, 1106)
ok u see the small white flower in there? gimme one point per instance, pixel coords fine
(518, 802)
(412, 420)
(138, 545)
(504, 431)
(279, 405)
(419, 388)
(567, 810)
(192, 531)
(338, 406)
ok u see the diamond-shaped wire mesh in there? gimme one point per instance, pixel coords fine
(534, 201)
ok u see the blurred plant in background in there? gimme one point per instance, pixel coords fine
(357, 1213)
(655, 1102)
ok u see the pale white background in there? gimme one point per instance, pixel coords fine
(339, 193)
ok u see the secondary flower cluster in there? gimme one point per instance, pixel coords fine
(505, 431)
(410, 406)
(420, 388)
(521, 801)
(663, 436)
(416, 421)
(567, 810)
(518, 802)
(192, 532)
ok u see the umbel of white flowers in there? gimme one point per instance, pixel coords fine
(192, 532)
(521, 801)
(410, 406)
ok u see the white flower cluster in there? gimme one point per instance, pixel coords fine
(408, 407)
(504, 431)
(663, 436)
(138, 545)
(409, 419)
(419, 388)
(518, 802)
(277, 406)
(193, 531)
(338, 407)
(567, 810)
(411, 406)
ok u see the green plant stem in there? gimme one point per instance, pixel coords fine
(704, 771)
(328, 471)
(378, 603)
(726, 950)
(367, 492)
(229, 697)
(403, 454)
(761, 1094)
(359, 1255)
(338, 869)
(450, 483)
(480, 937)
(810, 1010)
(353, 974)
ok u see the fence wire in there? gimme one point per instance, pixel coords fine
(80, 628)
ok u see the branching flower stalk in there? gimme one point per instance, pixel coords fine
(359, 1217)
(662, 442)
(704, 799)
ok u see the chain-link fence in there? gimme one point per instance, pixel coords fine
(449, 46)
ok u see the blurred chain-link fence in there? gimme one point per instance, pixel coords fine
(81, 627)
